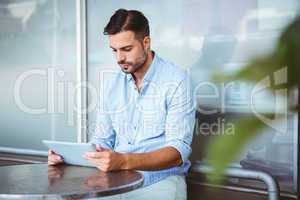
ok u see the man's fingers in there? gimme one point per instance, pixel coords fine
(57, 157)
(100, 164)
(54, 162)
(50, 152)
(99, 148)
(53, 155)
(93, 161)
(95, 155)
(54, 159)
(51, 163)
(101, 161)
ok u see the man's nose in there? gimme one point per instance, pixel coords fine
(120, 57)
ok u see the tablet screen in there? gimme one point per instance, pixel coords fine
(71, 152)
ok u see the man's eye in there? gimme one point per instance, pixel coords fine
(127, 49)
(114, 50)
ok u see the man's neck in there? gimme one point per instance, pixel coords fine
(140, 73)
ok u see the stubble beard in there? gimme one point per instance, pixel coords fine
(136, 66)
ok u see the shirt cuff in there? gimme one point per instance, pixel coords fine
(183, 148)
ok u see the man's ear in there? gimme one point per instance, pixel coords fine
(146, 42)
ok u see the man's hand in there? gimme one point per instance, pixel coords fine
(53, 158)
(105, 159)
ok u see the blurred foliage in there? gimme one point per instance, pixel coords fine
(224, 149)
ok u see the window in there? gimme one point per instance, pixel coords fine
(38, 72)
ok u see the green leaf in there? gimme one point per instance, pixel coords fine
(224, 149)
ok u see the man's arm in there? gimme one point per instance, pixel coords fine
(108, 160)
(104, 133)
(163, 158)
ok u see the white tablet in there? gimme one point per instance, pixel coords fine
(71, 152)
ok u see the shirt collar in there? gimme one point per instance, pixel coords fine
(149, 73)
(129, 77)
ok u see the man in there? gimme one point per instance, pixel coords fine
(146, 115)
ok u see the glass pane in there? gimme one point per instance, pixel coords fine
(37, 64)
(206, 37)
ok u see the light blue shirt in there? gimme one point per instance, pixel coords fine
(160, 115)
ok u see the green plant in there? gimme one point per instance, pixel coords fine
(224, 149)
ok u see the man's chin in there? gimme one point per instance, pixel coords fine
(126, 71)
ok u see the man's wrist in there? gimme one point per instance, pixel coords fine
(125, 161)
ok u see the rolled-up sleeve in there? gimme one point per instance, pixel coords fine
(103, 131)
(104, 134)
(180, 119)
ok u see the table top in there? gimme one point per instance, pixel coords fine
(40, 181)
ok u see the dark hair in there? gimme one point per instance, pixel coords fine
(128, 20)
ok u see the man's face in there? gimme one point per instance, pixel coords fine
(130, 52)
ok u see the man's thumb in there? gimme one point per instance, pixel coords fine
(99, 148)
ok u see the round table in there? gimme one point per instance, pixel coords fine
(40, 181)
